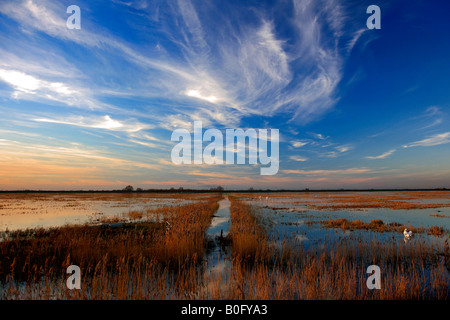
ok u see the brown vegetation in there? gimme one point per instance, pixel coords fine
(366, 200)
(438, 215)
(379, 226)
(339, 272)
(135, 215)
(111, 258)
(162, 259)
(249, 239)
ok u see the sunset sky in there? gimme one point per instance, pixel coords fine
(95, 108)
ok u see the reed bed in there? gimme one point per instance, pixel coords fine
(248, 237)
(335, 272)
(162, 259)
(336, 269)
(116, 263)
(339, 272)
(393, 201)
(379, 226)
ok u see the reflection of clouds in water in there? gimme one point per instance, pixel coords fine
(225, 204)
(301, 238)
(219, 221)
(218, 224)
(218, 266)
(19, 211)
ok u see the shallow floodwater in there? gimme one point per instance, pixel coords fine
(218, 264)
(219, 229)
(288, 216)
(31, 210)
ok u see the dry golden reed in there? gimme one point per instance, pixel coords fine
(111, 259)
(249, 239)
(162, 259)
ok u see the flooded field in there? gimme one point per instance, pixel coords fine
(298, 215)
(31, 210)
(305, 245)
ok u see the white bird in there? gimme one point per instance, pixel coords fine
(408, 234)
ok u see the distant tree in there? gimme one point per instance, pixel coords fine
(139, 190)
(128, 188)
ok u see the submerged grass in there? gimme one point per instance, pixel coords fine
(380, 226)
(339, 272)
(107, 255)
(162, 259)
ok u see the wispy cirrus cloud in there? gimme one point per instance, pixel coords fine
(104, 122)
(298, 144)
(336, 150)
(381, 156)
(344, 148)
(32, 88)
(69, 155)
(435, 115)
(349, 171)
(355, 39)
(219, 76)
(298, 158)
(435, 140)
(164, 64)
(318, 136)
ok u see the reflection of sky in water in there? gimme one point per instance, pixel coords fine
(287, 221)
(221, 220)
(50, 210)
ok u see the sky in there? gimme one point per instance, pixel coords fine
(94, 108)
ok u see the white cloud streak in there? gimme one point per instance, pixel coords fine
(381, 156)
(298, 158)
(105, 122)
(435, 140)
(250, 70)
(350, 171)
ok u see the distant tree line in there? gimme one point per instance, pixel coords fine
(131, 189)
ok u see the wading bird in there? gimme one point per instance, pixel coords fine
(408, 234)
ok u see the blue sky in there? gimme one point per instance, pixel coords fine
(95, 108)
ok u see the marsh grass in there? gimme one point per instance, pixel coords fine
(111, 259)
(248, 237)
(379, 226)
(336, 269)
(340, 273)
(162, 259)
(368, 200)
(135, 215)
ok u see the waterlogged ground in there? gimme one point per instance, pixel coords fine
(297, 216)
(32, 210)
(289, 219)
(286, 213)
